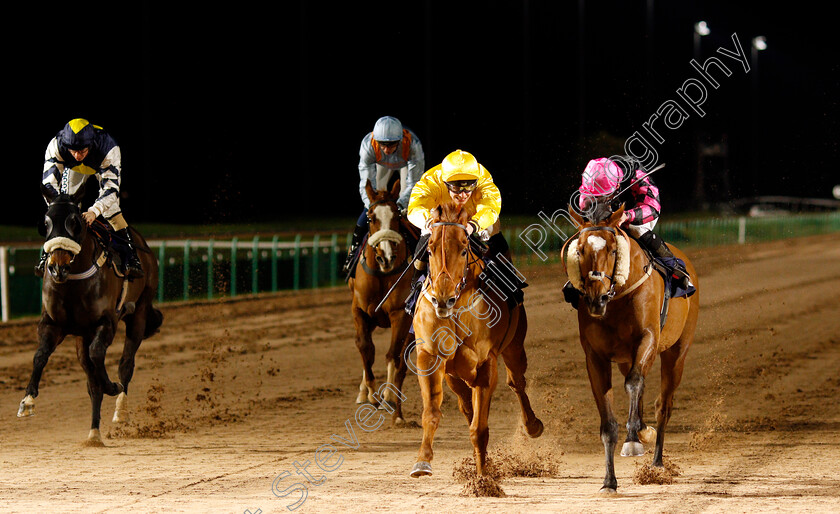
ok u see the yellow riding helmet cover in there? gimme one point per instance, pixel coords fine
(460, 165)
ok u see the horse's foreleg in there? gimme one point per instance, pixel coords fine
(94, 388)
(482, 393)
(431, 389)
(600, 379)
(516, 363)
(364, 342)
(634, 384)
(49, 337)
(672, 363)
(103, 336)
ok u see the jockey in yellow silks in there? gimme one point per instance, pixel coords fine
(460, 178)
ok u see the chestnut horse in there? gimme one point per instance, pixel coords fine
(619, 319)
(83, 296)
(460, 332)
(384, 258)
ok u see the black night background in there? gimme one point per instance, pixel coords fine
(254, 112)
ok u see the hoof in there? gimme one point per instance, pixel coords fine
(94, 439)
(362, 397)
(421, 469)
(27, 407)
(121, 411)
(607, 491)
(632, 449)
(535, 430)
(648, 436)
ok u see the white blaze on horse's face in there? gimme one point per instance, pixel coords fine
(597, 243)
(386, 251)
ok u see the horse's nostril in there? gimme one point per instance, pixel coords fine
(450, 303)
(434, 301)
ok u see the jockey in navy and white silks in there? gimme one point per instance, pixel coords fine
(78, 151)
(389, 148)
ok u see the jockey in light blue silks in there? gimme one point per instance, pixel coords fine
(389, 148)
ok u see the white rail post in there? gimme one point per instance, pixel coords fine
(4, 284)
(742, 230)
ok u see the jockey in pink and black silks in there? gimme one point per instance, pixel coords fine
(81, 150)
(603, 180)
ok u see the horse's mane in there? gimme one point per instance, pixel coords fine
(451, 212)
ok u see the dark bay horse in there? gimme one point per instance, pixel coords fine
(383, 259)
(460, 332)
(83, 296)
(619, 320)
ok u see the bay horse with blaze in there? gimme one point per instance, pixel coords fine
(619, 319)
(83, 296)
(461, 329)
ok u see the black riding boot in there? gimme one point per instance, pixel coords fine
(41, 266)
(132, 265)
(358, 233)
(658, 247)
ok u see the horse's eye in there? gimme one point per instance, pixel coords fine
(463, 253)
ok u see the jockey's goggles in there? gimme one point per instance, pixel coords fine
(389, 144)
(461, 186)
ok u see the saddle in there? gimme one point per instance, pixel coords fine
(113, 250)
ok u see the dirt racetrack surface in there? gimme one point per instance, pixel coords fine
(231, 394)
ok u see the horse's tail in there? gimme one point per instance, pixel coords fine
(153, 322)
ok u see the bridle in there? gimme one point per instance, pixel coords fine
(600, 275)
(389, 235)
(460, 285)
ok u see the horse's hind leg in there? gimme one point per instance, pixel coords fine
(600, 379)
(482, 393)
(103, 336)
(399, 376)
(49, 337)
(516, 363)
(135, 328)
(391, 398)
(94, 389)
(367, 350)
(672, 363)
(464, 393)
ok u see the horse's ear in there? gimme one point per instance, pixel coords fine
(395, 189)
(435, 213)
(577, 218)
(371, 194)
(47, 193)
(616, 216)
(79, 195)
